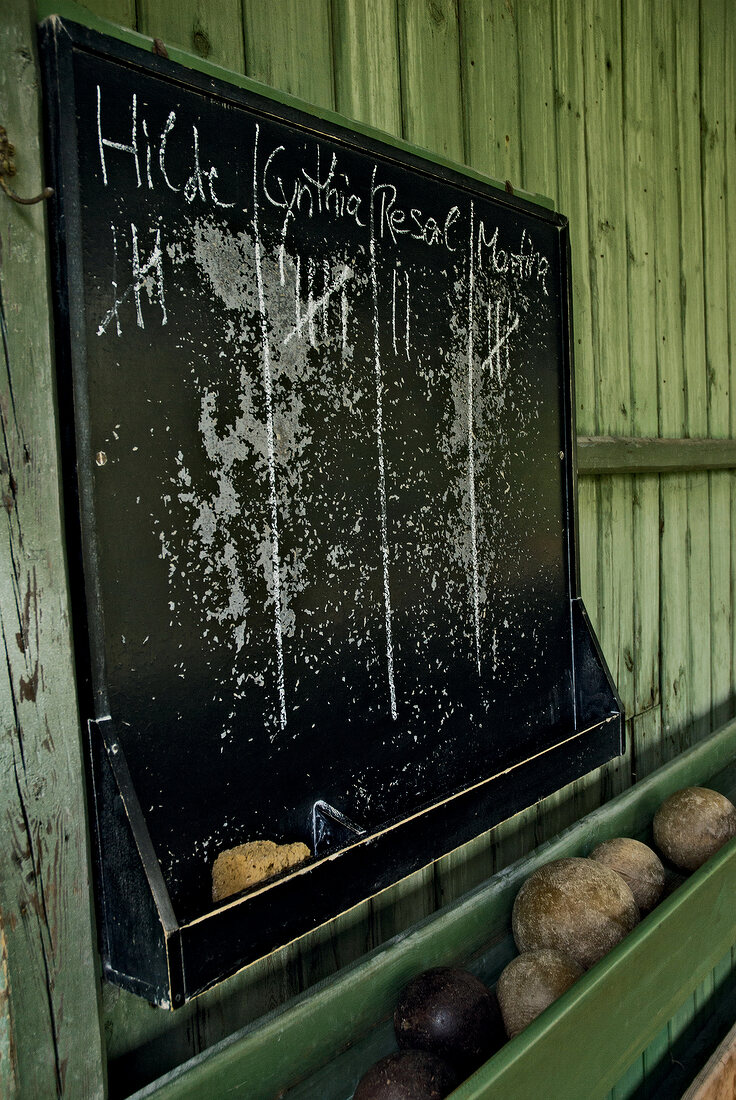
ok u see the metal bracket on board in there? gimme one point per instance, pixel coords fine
(331, 829)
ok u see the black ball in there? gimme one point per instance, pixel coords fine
(408, 1075)
(450, 1012)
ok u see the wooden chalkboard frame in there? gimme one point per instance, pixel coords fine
(146, 946)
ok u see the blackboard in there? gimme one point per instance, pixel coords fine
(317, 398)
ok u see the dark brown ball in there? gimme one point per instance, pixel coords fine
(638, 865)
(530, 983)
(575, 906)
(408, 1075)
(451, 1013)
(692, 824)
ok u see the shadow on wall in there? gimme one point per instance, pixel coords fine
(654, 745)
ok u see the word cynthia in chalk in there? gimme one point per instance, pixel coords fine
(199, 183)
(147, 275)
(325, 191)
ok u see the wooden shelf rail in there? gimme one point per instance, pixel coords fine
(603, 454)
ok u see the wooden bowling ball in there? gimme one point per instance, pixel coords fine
(639, 867)
(692, 824)
(576, 906)
(449, 1012)
(530, 983)
(408, 1075)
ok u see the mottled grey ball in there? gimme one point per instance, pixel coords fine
(692, 824)
(575, 906)
(639, 867)
(530, 983)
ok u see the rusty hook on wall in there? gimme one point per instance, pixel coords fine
(7, 168)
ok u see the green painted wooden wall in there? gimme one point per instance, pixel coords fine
(622, 111)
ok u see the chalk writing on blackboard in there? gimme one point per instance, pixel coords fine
(251, 276)
(328, 385)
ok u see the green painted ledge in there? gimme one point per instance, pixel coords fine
(68, 9)
(578, 1049)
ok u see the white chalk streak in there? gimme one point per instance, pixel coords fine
(325, 297)
(297, 297)
(344, 322)
(117, 302)
(393, 310)
(408, 313)
(273, 502)
(382, 468)
(121, 146)
(152, 267)
(312, 306)
(471, 450)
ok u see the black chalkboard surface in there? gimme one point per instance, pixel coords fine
(317, 401)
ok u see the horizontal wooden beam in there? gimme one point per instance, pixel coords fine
(604, 454)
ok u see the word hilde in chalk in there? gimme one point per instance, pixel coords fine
(330, 558)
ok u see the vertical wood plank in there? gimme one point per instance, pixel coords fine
(537, 99)
(639, 162)
(602, 56)
(212, 31)
(431, 89)
(646, 735)
(572, 189)
(52, 966)
(289, 46)
(676, 706)
(655, 1054)
(366, 62)
(630, 1081)
(687, 44)
(490, 74)
(703, 995)
(723, 973)
(682, 1019)
(715, 16)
